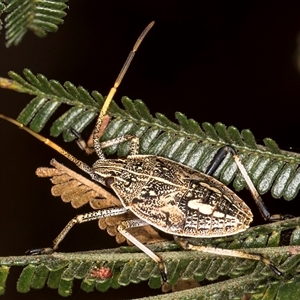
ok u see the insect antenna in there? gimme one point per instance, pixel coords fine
(113, 90)
(81, 165)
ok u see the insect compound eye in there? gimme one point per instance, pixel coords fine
(109, 181)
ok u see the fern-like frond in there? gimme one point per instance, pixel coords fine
(186, 141)
(49, 95)
(38, 16)
(218, 275)
(2, 7)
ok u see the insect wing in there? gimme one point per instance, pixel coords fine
(179, 200)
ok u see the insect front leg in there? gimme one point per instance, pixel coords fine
(88, 147)
(134, 143)
(122, 228)
(217, 160)
(94, 215)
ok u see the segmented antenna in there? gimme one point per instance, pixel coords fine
(113, 90)
(83, 166)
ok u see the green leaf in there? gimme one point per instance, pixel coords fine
(38, 16)
(4, 271)
(218, 275)
(25, 279)
(2, 7)
(185, 142)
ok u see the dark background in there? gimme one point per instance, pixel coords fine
(230, 62)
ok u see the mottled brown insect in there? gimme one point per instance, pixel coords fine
(174, 198)
(165, 194)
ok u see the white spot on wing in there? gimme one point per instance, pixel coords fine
(218, 214)
(203, 208)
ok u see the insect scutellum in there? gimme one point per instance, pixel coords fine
(165, 194)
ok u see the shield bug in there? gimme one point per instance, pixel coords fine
(168, 195)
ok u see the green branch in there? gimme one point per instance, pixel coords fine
(185, 142)
(218, 275)
(270, 168)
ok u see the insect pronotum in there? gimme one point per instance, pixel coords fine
(165, 194)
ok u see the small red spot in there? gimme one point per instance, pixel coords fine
(101, 273)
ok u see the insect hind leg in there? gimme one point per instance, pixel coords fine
(215, 163)
(185, 244)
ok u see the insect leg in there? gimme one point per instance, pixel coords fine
(89, 149)
(88, 146)
(94, 215)
(122, 228)
(185, 244)
(134, 143)
(219, 157)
